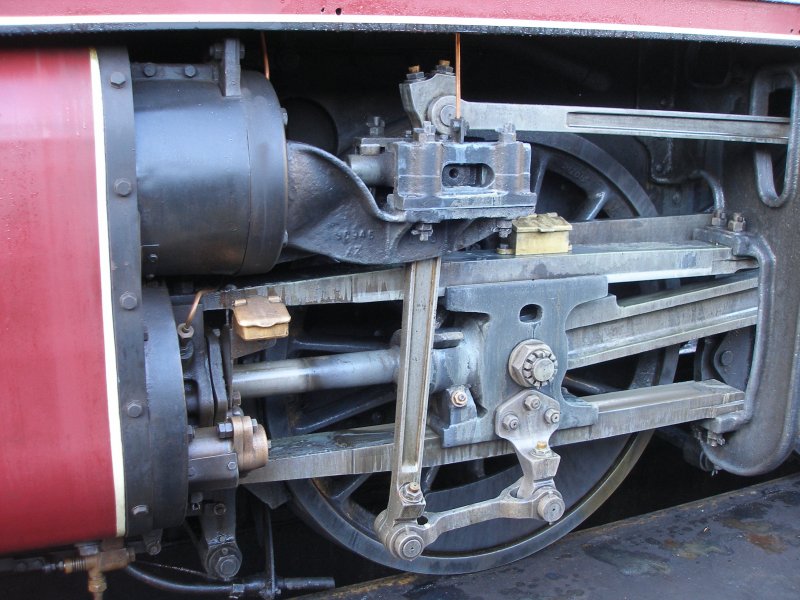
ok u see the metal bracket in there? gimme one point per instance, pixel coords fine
(406, 502)
(228, 56)
(523, 421)
(768, 81)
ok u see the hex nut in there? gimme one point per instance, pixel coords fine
(532, 364)
(411, 492)
(510, 422)
(532, 402)
(225, 430)
(552, 416)
(459, 398)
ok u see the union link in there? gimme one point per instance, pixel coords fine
(525, 420)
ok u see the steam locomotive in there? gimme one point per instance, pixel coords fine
(429, 274)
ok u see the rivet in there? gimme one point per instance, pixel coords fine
(128, 301)
(117, 79)
(123, 187)
(140, 510)
(232, 465)
(149, 70)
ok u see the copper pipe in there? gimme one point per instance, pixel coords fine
(458, 76)
(190, 317)
(264, 55)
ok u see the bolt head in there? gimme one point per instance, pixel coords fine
(140, 510)
(510, 422)
(117, 79)
(220, 509)
(228, 565)
(149, 70)
(190, 71)
(154, 548)
(134, 409)
(726, 358)
(123, 187)
(128, 301)
(232, 465)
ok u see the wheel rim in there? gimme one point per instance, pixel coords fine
(344, 508)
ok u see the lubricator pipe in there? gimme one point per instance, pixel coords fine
(354, 369)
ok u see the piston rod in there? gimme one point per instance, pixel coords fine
(299, 375)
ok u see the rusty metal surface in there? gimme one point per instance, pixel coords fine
(740, 545)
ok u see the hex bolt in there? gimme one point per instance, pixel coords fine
(227, 565)
(376, 126)
(459, 398)
(540, 449)
(510, 422)
(117, 79)
(225, 430)
(415, 73)
(123, 187)
(737, 223)
(134, 409)
(443, 67)
(532, 402)
(215, 51)
(550, 507)
(154, 548)
(552, 416)
(140, 510)
(190, 71)
(128, 301)
(408, 545)
(149, 70)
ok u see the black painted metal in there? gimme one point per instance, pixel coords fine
(211, 172)
(129, 332)
(165, 458)
(152, 405)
